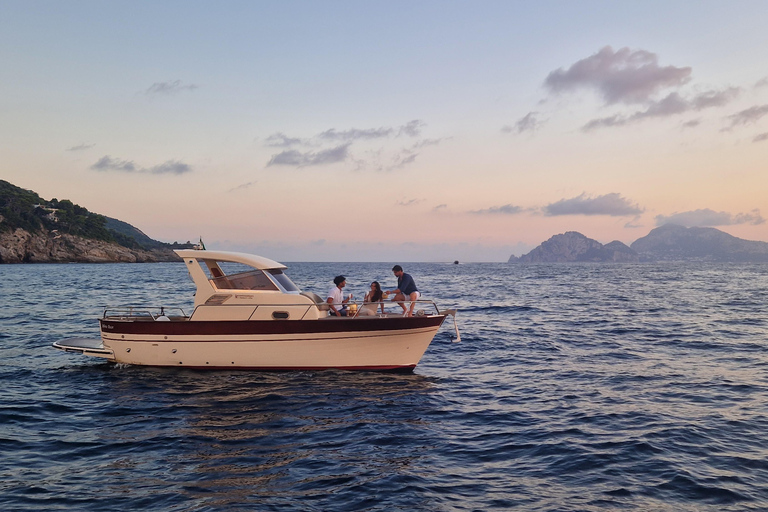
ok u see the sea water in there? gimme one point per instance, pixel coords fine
(575, 387)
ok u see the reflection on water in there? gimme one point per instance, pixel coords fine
(237, 434)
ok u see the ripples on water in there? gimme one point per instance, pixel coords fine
(575, 387)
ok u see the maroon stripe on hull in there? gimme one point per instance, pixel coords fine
(244, 327)
(385, 368)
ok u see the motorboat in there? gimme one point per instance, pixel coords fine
(248, 314)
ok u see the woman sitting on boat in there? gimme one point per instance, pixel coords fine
(373, 300)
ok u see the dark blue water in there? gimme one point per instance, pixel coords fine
(575, 387)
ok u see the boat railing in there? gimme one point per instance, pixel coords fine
(429, 304)
(423, 307)
(143, 313)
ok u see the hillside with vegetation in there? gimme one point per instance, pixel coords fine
(33, 229)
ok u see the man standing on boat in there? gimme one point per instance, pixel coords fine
(336, 300)
(406, 287)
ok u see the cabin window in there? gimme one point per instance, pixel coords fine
(252, 280)
(280, 315)
(284, 281)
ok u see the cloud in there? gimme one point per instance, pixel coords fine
(747, 116)
(623, 76)
(81, 147)
(693, 123)
(168, 88)
(297, 158)
(609, 204)
(507, 209)
(428, 142)
(715, 98)
(440, 207)
(169, 167)
(107, 163)
(409, 202)
(244, 186)
(706, 217)
(411, 128)
(356, 134)
(760, 138)
(527, 123)
(763, 82)
(281, 140)
(670, 105)
(382, 159)
(405, 157)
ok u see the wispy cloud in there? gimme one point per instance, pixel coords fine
(296, 158)
(409, 202)
(670, 105)
(428, 142)
(527, 123)
(169, 88)
(244, 186)
(107, 163)
(609, 204)
(693, 123)
(375, 159)
(411, 128)
(707, 217)
(81, 147)
(406, 157)
(507, 209)
(760, 138)
(356, 134)
(623, 76)
(281, 140)
(170, 167)
(747, 116)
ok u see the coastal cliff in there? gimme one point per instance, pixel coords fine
(35, 230)
(21, 246)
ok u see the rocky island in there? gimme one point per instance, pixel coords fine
(33, 230)
(665, 243)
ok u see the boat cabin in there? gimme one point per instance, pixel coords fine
(264, 285)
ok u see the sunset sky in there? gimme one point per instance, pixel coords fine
(390, 131)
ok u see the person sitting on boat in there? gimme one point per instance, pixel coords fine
(373, 300)
(336, 300)
(406, 288)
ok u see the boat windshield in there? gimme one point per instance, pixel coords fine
(284, 281)
(251, 280)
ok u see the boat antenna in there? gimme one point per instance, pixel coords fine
(200, 246)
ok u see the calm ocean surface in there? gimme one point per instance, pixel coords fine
(575, 387)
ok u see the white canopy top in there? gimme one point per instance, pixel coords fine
(251, 260)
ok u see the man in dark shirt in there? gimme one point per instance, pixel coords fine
(406, 288)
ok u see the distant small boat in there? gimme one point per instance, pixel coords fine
(258, 319)
(456, 262)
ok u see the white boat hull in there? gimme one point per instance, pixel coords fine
(381, 350)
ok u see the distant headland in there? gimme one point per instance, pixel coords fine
(666, 243)
(33, 230)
